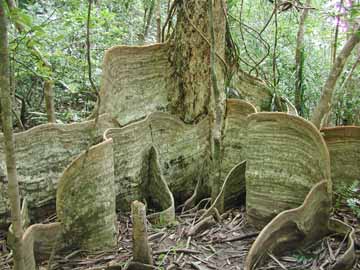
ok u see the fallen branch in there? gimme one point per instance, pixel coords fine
(239, 238)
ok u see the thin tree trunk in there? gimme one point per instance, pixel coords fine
(335, 41)
(13, 186)
(343, 89)
(147, 21)
(48, 82)
(158, 21)
(299, 61)
(49, 101)
(324, 104)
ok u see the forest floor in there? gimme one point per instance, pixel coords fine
(222, 246)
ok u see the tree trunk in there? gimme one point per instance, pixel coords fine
(158, 21)
(198, 64)
(328, 90)
(49, 101)
(192, 96)
(147, 21)
(13, 186)
(299, 61)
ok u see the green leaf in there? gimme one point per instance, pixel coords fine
(18, 15)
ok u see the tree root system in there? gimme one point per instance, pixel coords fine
(220, 246)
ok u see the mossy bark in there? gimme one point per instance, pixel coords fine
(344, 147)
(286, 156)
(85, 201)
(43, 152)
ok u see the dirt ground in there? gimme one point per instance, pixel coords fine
(224, 245)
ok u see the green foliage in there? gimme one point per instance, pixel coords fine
(304, 257)
(319, 35)
(58, 30)
(19, 16)
(349, 196)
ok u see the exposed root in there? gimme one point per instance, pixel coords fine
(201, 226)
(193, 197)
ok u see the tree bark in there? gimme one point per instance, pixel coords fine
(192, 95)
(324, 104)
(299, 61)
(48, 82)
(147, 21)
(141, 248)
(158, 21)
(49, 101)
(13, 186)
(199, 71)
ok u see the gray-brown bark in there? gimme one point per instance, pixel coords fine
(135, 81)
(183, 155)
(85, 199)
(149, 11)
(344, 147)
(13, 186)
(324, 104)
(158, 21)
(157, 192)
(39, 241)
(252, 90)
(234, 141)
(141, 248)
(43, 152)
(191, 96)
(49, 101)
(301, 226)
(275, 142)
(299, 60)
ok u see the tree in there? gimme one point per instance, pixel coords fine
(13, 186)
(299, 61)
(199, 71)
(324, 104)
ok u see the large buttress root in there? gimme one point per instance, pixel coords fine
(253, 90)
(286, 157)
(85, 200)
(301, 226)
(39, 241)
(347, 259)
(134, 81)
(182, 150)
(42, 154)
(157, 192)
(235, 178)
(237, 112)
(295, 227)
(344, 148)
